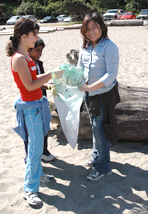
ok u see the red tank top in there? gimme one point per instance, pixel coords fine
(25, 94)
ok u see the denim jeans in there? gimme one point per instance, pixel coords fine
(45, 150)
(34, 125)
(101, 145)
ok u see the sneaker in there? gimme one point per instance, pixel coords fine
(109, 173)
(96, 176)
(47, 178)
(89, 162)
(48, 157)
(32, 198)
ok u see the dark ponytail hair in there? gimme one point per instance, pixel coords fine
(97, 19)
(22, 26)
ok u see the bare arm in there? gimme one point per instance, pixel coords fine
(20, 65)
(45, 86)
(94, 86)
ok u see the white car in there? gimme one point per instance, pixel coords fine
(111, 14)
(12, 20)
(60, 18)
(143, 14)
(68, 19)
(32, 17)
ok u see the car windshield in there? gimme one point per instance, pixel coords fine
(61, 16)
(127, 14)
(14, 17)
(144, 13)
(144, 10)
(111, 11)
(47, 17)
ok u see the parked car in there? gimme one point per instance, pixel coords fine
(32, 17)
(143, 14)
(128, 15)
(12, 20)
(111, 14)
(61, 18)
(49, 19)
(68, 19)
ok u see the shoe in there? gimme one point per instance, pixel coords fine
(32, 198)
(89, 162)
(96, 176)
(47, 178)
(109, 173)
(48, 157)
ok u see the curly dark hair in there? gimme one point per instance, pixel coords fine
(39, 42)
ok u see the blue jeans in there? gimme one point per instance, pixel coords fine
(34, 125)
(101, 145)
(45, 150)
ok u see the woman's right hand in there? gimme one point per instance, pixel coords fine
(52, 88)
(57, 74)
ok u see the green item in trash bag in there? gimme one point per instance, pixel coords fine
(69, 82)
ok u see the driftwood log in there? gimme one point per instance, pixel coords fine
(131, 112)
(131, 22)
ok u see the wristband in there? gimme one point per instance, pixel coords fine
(53, 75)
(49, 86)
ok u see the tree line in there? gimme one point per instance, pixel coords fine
(42, 8)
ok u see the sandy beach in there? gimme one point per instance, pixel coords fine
(126, 190)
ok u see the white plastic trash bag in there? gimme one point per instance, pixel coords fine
(69, 111)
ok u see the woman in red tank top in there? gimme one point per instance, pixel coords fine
(24, 72)
(27, 95)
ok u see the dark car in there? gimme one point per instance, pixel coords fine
(49, 19)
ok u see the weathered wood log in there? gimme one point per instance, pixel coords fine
(131, 22)
(131, 112)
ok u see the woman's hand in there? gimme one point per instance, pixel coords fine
(57, 74)
(52, 88)
(94, 86)
(85, 87)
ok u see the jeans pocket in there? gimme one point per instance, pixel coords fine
(33, 116)
(38, 115)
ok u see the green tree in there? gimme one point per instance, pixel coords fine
(54, 8)
(75, 7)
(2, 10)
(25, 8)
(136, 5)
(39, 10)
(7, 7)
(108, 4)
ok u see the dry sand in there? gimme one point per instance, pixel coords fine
(126, 190)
